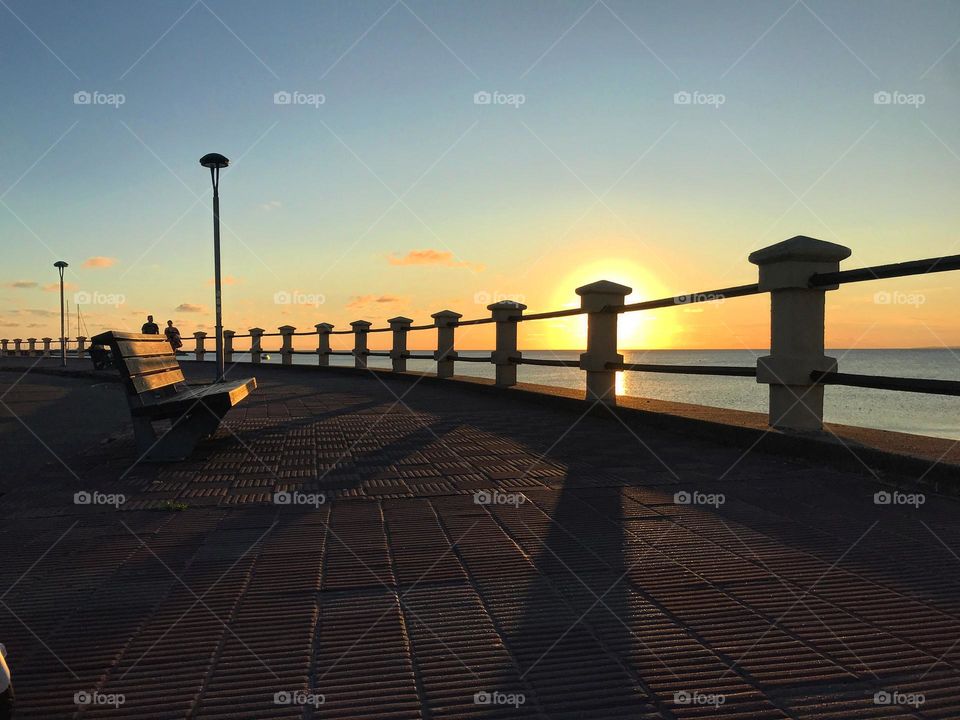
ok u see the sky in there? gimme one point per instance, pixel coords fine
(404, 157)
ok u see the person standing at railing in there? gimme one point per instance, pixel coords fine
(150, 327)
(173, 336)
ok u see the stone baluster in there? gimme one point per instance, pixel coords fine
(360, 328)
(506, 314)
(445, 355)
(797, 315)
(199, 352)
(601, 338)
(398, 353)
(256, 350)
(286, 347)
(323, 343)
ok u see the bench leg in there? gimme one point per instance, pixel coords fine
(143, 433)
(181, 438)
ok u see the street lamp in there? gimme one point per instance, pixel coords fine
(215, 161)
(60, 265)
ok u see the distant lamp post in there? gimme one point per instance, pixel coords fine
(215, 161)
(60, 265)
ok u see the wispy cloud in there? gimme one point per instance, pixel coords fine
(190, 308)
(272, 205)
(24, 284)
(225, 280)
(432, 257)
(99, 261)
(363, 300)
(55, 287)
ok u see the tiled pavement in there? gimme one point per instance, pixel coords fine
(585, 591)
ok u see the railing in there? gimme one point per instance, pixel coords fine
(796, 273)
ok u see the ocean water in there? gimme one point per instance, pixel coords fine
(887, 410)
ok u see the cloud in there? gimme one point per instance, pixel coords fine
(55, 287)
(44, 313)
(98, 261)
(272, 205)
(190, 308)
(432, 257)
(225, 280)
(362, 300)
(23, 284)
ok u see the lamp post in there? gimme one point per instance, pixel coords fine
(60, 265)
(215, 161)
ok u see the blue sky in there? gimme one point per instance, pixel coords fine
(598, 163)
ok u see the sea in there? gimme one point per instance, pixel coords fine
(916, 413)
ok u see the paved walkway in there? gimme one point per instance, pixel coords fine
(386, 587)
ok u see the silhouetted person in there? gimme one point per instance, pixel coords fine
(173, 336)
(150, 327)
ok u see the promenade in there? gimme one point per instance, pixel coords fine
(437, 552)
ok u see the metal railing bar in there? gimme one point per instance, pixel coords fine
(546, 363)
(723, 370)
(877, 272)
(885, 382)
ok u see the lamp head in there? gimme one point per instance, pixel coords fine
(60, 264)
(214, 160)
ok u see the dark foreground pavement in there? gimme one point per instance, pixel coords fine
(383, 586)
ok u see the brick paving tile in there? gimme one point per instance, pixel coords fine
(335, 553)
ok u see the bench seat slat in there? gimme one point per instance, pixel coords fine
(156, 381)
(221, 396)
(146, 365)
(144, 348)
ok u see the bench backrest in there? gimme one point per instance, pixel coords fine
(146, 363)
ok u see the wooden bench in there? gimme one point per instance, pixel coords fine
(156, 391)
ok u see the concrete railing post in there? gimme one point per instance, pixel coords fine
(256, 335)
(601, 338)
(81, 345)
(445, 320)
(3, 346)
(16, 346)
(398, 353)
(323, 343)
(31, 346)
(228, 346)
(46, 346)
(199, 351)
(796, 328)
(286, 348)
(506, 315)
(360, 328)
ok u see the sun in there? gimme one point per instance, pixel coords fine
(634, 330)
